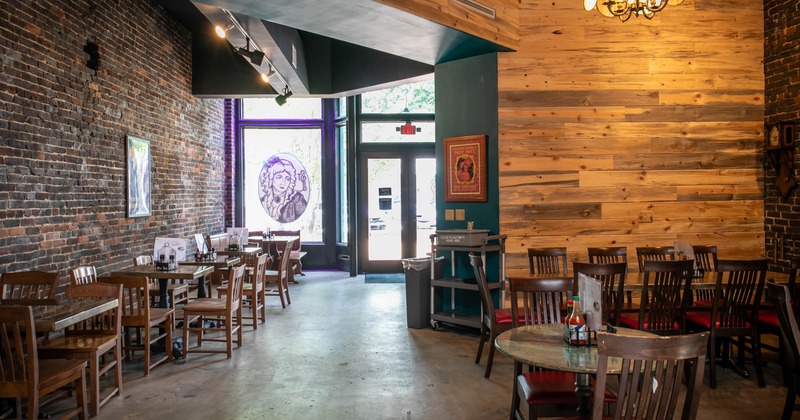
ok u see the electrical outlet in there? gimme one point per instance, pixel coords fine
(645, 217)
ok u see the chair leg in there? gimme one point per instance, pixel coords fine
(263, 305)
(286, 290)
(515, 398)
(80, 397)
(712, 362)
(94, 385)
(756, 344)
(146, 351)
(490, 356)
(788, 405)
(185, 335)
(480, 344)
(229, 336)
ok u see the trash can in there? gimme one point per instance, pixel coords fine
(418, 289)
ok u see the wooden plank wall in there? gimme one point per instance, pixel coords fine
(600, 120)
(502, 30)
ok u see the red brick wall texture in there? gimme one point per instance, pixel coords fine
(63, 129)
(782, 104)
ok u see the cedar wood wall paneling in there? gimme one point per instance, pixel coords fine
(600, 120)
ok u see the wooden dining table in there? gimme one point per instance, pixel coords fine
(543, 345)
(51, 315)
(182, 272)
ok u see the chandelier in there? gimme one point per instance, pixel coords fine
(624, 9)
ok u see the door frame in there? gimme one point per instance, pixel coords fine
(408, 210)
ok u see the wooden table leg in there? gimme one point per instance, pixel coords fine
(583, 391)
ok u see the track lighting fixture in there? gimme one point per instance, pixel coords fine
(281, 99)
(255, 56)
(221, 32)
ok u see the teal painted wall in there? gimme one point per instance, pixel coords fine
(466, 104)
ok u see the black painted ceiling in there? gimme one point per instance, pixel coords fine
(341, 47)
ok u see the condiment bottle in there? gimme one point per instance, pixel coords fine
(570, 305)
(577, 325)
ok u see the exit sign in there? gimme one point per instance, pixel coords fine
(408, 129)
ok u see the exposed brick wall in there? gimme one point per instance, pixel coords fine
(782, 104)
(63, 128)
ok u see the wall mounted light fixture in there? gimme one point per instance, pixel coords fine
(281, 99)
(624, 9)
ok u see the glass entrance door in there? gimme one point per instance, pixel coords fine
(400, 210)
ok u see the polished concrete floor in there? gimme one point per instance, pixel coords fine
(342, 350)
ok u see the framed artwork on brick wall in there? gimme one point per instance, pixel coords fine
(465, 168)
(138, 172)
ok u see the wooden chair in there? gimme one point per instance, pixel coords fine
(654, 253)
(97, 340)
(736, 315)
(280, 277)
(608, 255)
(25, 376)
(612, 255)
(253, 293)
(494, 321)
(769, 322)
(548, 261)
(666, 292)
(296, 258)
(786, 309)
(541, 301)
(653, 370)
(28, 285)
(83, 275)
(612, 278)
(705, 257)
(137, 315)
(226, 311)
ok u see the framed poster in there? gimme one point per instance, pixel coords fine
(465, 168)
(137, 153)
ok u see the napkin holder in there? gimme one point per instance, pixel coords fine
(165, 265)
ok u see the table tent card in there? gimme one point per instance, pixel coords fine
(237, 236)
(168, 247)
(591, 293)
(200, 242)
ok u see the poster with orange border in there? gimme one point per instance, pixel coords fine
(465, 168)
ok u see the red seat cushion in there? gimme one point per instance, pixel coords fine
(632, 321)
(503, 316)
(703, 319)
(706, 303)
(769, 318)
(552, 387)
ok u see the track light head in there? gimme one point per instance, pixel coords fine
(255, 56)
(281, 99)
(222, 31)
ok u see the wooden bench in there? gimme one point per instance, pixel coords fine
(295, 258)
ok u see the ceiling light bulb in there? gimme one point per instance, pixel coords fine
(221, 32)
(265, 77)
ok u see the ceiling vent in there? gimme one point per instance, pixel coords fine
(476, 7)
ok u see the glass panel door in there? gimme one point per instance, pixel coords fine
(400, 210)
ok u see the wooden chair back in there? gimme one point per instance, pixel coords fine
(608, 255)
(135, 303)
(28, 285)
(652, 374)
(666, 293)
(108, 322)
(548, 261)
(18, 360)
(787, 310)
(654, 253)
(235, 284)
(542, 300)
(612, 278)
(286, 256)
(260, 270)
(487, 304)
(83, 275)
(705, 257)
(735, 304)
(143, 260)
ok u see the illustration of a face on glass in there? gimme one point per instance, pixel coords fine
(283, 188)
